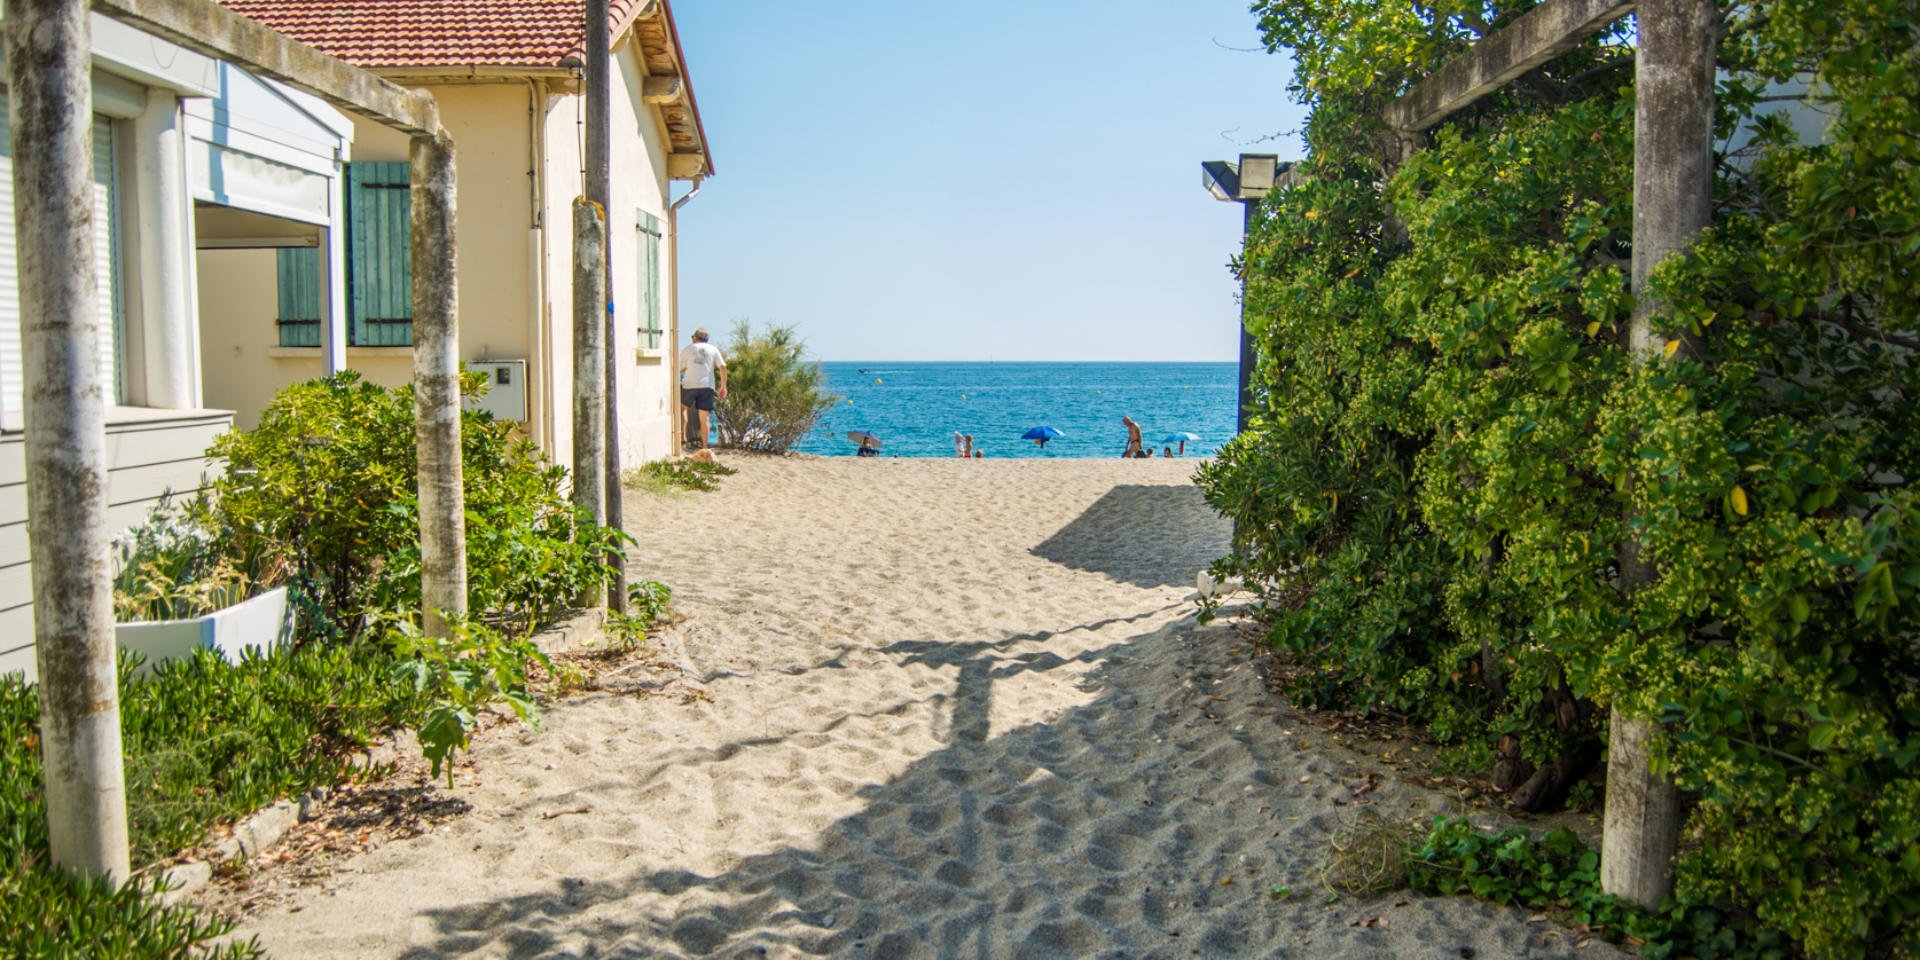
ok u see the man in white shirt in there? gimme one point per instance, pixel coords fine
(702, 370)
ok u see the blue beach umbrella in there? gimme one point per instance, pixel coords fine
(1042, 433)
(1180, 438)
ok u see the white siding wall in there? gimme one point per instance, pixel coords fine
(144, 461)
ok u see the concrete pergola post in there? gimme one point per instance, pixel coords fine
(589, 364)
(1672, 205)
(49, 66)
(436, 386)
(599, 134)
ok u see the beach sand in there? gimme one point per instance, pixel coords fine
(923, 708)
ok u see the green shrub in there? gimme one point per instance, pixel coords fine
(774, 394)
(1450, 444)
(647, 603)
(326, 486)
(457, 676)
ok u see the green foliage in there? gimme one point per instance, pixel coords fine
(1554, 870)
(774, 394)
(456, 677)
(1452, 443)
(663, 476)
(52, 915)
(647, 603)
(205, 741)
(325, 486)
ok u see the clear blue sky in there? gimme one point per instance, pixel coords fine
(1000, 179)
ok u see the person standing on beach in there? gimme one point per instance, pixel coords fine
(1133, 438)
(703, 378)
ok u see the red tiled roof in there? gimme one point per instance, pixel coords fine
(438, 33)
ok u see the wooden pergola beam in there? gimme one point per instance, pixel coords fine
(205, 26)
(1533, 38)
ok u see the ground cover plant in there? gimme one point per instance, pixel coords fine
(205, 741)
(774, 393)
(1450, 444)
(666, 476)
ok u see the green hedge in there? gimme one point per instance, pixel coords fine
(1450, 445)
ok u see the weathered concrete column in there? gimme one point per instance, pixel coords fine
(1672, 204)
(170, 338)
(589, 361)
(436, 386)
(48, 68)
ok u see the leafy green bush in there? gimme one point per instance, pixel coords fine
(1451, 443)
(458, 675)
(647, 603)
(774, 394)
(325, 485)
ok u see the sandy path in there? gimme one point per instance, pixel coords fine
(938, 709)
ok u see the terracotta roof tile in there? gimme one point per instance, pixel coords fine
(437, 33)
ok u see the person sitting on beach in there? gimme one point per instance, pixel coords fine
(1167, 452)
(1040, 442)
(978, 455)
(866, 449)
(1133, 438)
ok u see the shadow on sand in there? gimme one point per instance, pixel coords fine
(1125, 535)
(1070, 838)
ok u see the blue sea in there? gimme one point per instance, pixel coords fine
(915, 408)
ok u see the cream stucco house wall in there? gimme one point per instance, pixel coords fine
(507, 81)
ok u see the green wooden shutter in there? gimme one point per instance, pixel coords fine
(298, 270)
(380, 255)
(650, 329)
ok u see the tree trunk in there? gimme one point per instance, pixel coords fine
(1672, 204)
(436, 387)
(589, 364)
(48, 68)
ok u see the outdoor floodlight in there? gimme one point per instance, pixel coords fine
(1222, 179)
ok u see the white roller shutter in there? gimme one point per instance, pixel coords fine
(106, 255)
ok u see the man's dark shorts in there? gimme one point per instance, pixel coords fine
(699, 398)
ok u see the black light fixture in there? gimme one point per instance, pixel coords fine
(1244, 183)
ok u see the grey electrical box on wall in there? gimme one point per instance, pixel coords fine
(506, 396)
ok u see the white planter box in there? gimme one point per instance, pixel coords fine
(262, 623)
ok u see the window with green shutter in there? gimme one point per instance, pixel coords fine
(379, 255)
(650, 329)
(298, 270)
(379, 266)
